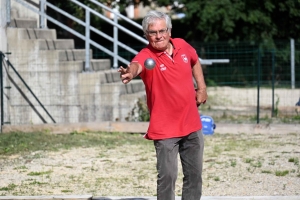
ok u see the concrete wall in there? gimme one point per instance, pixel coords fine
(3, 25)
(238, 97)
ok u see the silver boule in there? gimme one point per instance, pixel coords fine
(149, 63)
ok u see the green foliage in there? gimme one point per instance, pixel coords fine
(139, 112)
(210, 82)
(241, 20)
(215, 20)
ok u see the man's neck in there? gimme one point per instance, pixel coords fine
(170, 48)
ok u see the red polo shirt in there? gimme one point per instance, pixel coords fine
(170, 91)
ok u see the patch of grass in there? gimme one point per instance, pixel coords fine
(143, 159)
(266, 172)
(35, 182)
(39, 173)
(257, 164)
(282, 173)
(294, 160)
(272, 162)
(217, 149)
(251, 170)
(270, 151)
(23, 143)
(20, 167)
(231, 143)
(9, 187)
(293, 134)
(233, 163)
(66, 191)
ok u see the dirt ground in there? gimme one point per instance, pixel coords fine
(234, 165)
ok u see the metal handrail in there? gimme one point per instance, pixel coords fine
(116, 14)
(86, 37)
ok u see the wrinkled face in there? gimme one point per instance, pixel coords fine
(158, 35)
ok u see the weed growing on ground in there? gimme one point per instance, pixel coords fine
(38, 173)
(282, 173)
(294, 160)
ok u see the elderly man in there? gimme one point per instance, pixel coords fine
(175, 125)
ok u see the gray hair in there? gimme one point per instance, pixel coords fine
(154, 15)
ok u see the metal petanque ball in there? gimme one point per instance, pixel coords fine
(149, 63)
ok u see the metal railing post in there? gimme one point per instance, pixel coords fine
(115, 65)
(258, 85)
(42, 16)
(8, 8)
(292, 63)
(1, 82)
(273, 82)
(87, 40)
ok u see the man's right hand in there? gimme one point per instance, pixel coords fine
(130, 72)
(125, 74)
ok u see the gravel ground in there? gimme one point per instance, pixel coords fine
(234, 165)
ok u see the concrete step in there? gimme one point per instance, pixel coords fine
(71, 66)
(23, 23)
(111, 76)
(134, 86)
(25, 33)
(100, 64)
(72, 55)
(59, 44)
(95, 65)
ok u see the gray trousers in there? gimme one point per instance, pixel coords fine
(190, 149)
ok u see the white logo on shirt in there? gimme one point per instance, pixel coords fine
(163, 67)
(184, 58)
